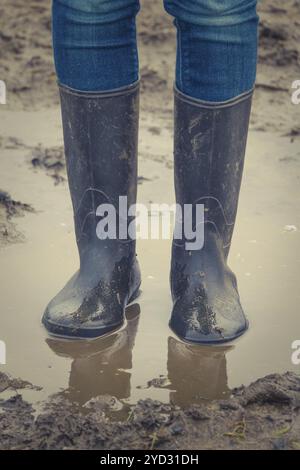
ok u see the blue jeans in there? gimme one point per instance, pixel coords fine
(95, 47)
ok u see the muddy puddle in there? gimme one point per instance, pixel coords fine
(145, 359)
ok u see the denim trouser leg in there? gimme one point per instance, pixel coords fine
(94, 43)
(216, 47)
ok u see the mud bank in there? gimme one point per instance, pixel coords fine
(264, 415)
(143, 388)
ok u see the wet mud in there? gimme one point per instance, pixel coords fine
(265, 415)
(9, 209)
(51, 160)
(142, 387)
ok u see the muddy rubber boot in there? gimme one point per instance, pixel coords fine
(209, 149)
(100, 136)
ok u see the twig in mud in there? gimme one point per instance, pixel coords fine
(154, 440)
(239, 431)
(281, 432)
(130, 416)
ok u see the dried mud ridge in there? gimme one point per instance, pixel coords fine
(9, 208)
(51, 160)
(264, 415)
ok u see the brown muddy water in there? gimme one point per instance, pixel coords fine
(145, 359)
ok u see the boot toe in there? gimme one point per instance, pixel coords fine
(68, 328)
(82, 313)
(204, 325)
(69, 325)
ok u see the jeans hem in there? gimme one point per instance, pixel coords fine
(213, 104)
(124, 90)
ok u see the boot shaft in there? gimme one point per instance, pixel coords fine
(101, 137)
(209, 150)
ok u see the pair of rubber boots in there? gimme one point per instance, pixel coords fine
(101, 136)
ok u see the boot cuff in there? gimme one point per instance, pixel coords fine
(122, 91)
(212, 104)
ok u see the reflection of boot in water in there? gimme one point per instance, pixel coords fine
(196, 373)
(101, 366)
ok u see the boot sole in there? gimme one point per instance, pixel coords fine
(207, 343)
